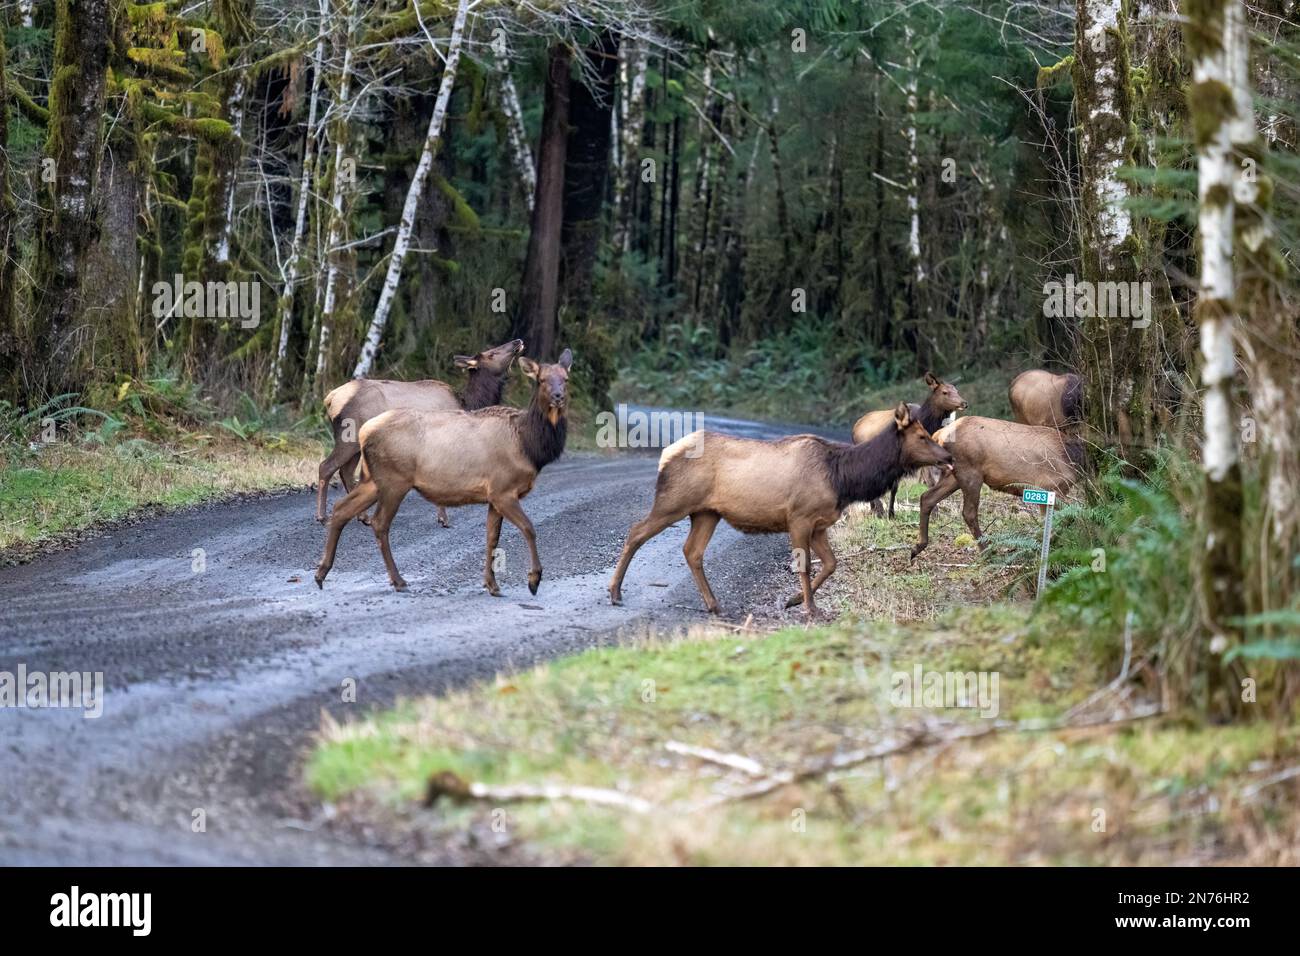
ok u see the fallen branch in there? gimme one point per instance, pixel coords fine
(447, 784)
(734, 761)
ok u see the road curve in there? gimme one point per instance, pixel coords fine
(219, 654)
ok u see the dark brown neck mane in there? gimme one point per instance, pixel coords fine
(541, 441)
(482, 389)
(866, 471)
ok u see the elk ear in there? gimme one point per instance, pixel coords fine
(902, 416)
(566, 359)
(529, 367)
(932, 381)
(466, 361)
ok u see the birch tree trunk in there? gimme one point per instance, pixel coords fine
(628, 173)
(518, 136)
(432, 140)
(1216, 40)
(294, 262)
(334, 235)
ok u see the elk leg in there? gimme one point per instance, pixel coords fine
(358, 500)
(877, 509)
(389, 502)
(893, 493)
(970, 506)
(348, 476)
(513, 512)
(822, 548)
(493, 536)
(800, 542)
(929, 500)
(442, 517)
(641, 532)
(703, 524)
(332, 463)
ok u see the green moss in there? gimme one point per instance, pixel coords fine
(1051, 75)
(1211, 104)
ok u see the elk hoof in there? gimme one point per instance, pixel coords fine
(713, 608)
(917, 549)
(534, 579)
(399, 585)
(615, 597)
(442, 520)
(492, 589)
(792, 600)
(364, 519)
(320, 519)
(320, 579)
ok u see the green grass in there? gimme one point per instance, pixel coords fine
(1161, 791)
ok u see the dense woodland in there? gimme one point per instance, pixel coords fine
(702, 198)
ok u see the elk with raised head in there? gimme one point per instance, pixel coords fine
(353, 404)
(490, 456)
(799, 485)
(942, 401)
(1040, 397)
(1006, 456)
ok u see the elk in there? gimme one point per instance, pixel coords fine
(489, 456)
(1006, 456)
(353, 404)
(799, 485)
(1039, 397)
(942, 400)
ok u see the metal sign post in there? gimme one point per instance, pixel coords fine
(1036, 496)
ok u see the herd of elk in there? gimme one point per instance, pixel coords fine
(350, 406)
(489, 456)
(942, 401)
(464, 448)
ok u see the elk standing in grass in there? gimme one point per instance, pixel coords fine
(942, 400)
(353, 404)
(1006, 456)
(490, 456)
(799, 485)
(1039, 397)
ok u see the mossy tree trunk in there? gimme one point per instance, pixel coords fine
(10, 348)
(1115, 360)
(1216, 39)
(69, 225)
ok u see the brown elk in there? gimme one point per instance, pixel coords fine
(1040, 397)
(1006, 456)
(354, 403)
(799, 485)
(943, 399)
(490, 456)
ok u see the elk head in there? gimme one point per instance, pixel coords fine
(916, 448)
(945, 396)
(551, 393)
(493, 361)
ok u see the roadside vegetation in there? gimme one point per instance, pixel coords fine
(144, 444)
(1064, 764)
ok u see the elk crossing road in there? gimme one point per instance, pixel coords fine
(218, 653)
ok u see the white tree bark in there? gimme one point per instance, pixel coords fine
(235, 110)
(1216, 177)
(913, 170)
(518, 136)
(1104, 131)
(25, 11)
(293, 265)
(432, 140)
(630, 137)
(334, 235)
